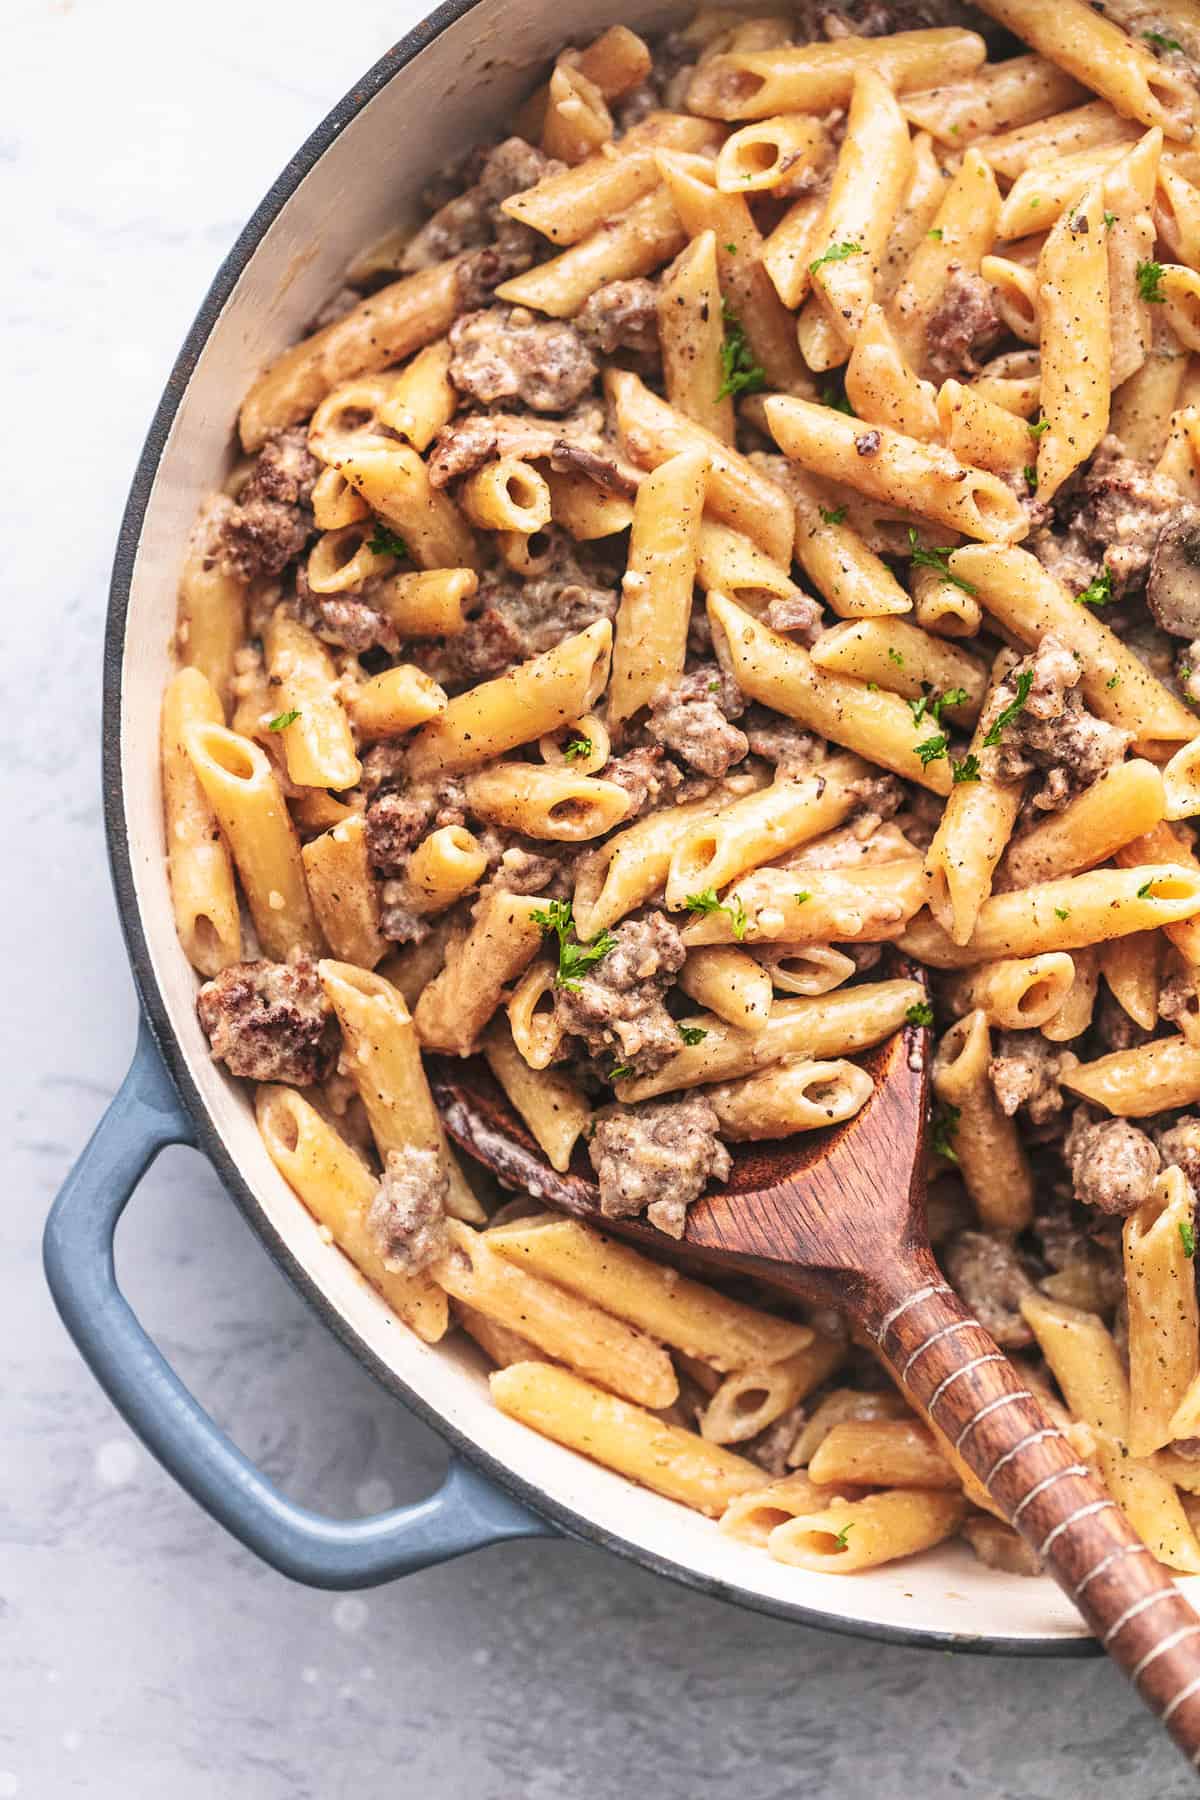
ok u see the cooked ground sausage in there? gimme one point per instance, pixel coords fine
(691, 719)
(407, 1217)
(656, 1158)
(1112, 1163)
(621, 315)
(270, 1021)
(988, 1276)
(508, 353)
(271, 521)
(962, 326)
(1053, 733)
(617, 1007)
(1025, 1070)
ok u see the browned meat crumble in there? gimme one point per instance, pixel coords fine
(1053, 734)
(1112, 1163)
(270, 1021)
(963, 326)
(617, 1007)
(271, 521)
(656, 1158)
(990, 1278)
(407, 1217)
(508, 353)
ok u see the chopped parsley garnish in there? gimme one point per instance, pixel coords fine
(732, 249)
(894, 656)
(386, 542)
(1143, 892)
(934, 704)
(692, 1034)
(801, 895)
(967, 769)
(574, 958)
(281, 721)
(945, 1124)
(1015, 706)
(937, 233)
(936, 559)
(1030, 474)
(1110, 220)
(835, 253)
(833, 394)
(577, 748)
(1113, 681)
(1157, 41)
(1037, 430)
(836, 516)
(1187, 1237)
(1062, 912)
(1098, 592)
(740, 374)
(1149, 283)
(932, 749)
(840, 1537)
(620, 1072)
(920, 1014)
(872, 687)
(706, 902)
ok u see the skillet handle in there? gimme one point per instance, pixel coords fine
(466, 1513)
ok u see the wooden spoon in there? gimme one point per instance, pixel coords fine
(838, 1217)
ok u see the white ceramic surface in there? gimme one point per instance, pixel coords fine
(141, 1652)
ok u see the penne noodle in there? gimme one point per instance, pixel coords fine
(992, 1162)
(761, 826)
(1164, 1322)
(198, 861)
(902, 657)
(922, 478)
(244, 794)
(1027, 601)
(997, 98)
(782, 675)
(1126, 801)
(650, 643)
(1016, 993)
(728, 982)
(889, 1453)
(651, 432)
(529, 701)
(688, 1315)
(558, 804)
(795, 1095)
(754, 1396)
(212, 604)
(341, 886)
(1135, 1083)
(816, 77)
(837, 1024)
(564, 1326)
(1101, 57)
(626, 1438)
(1087, 1366)
(458, 1002)
(384, 328)
(336, 1186)
(634, 242)
(691, 334)
(861, 1534)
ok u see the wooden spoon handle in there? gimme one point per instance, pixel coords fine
(954, 1372)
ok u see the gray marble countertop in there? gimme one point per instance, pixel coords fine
(142, 1653)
